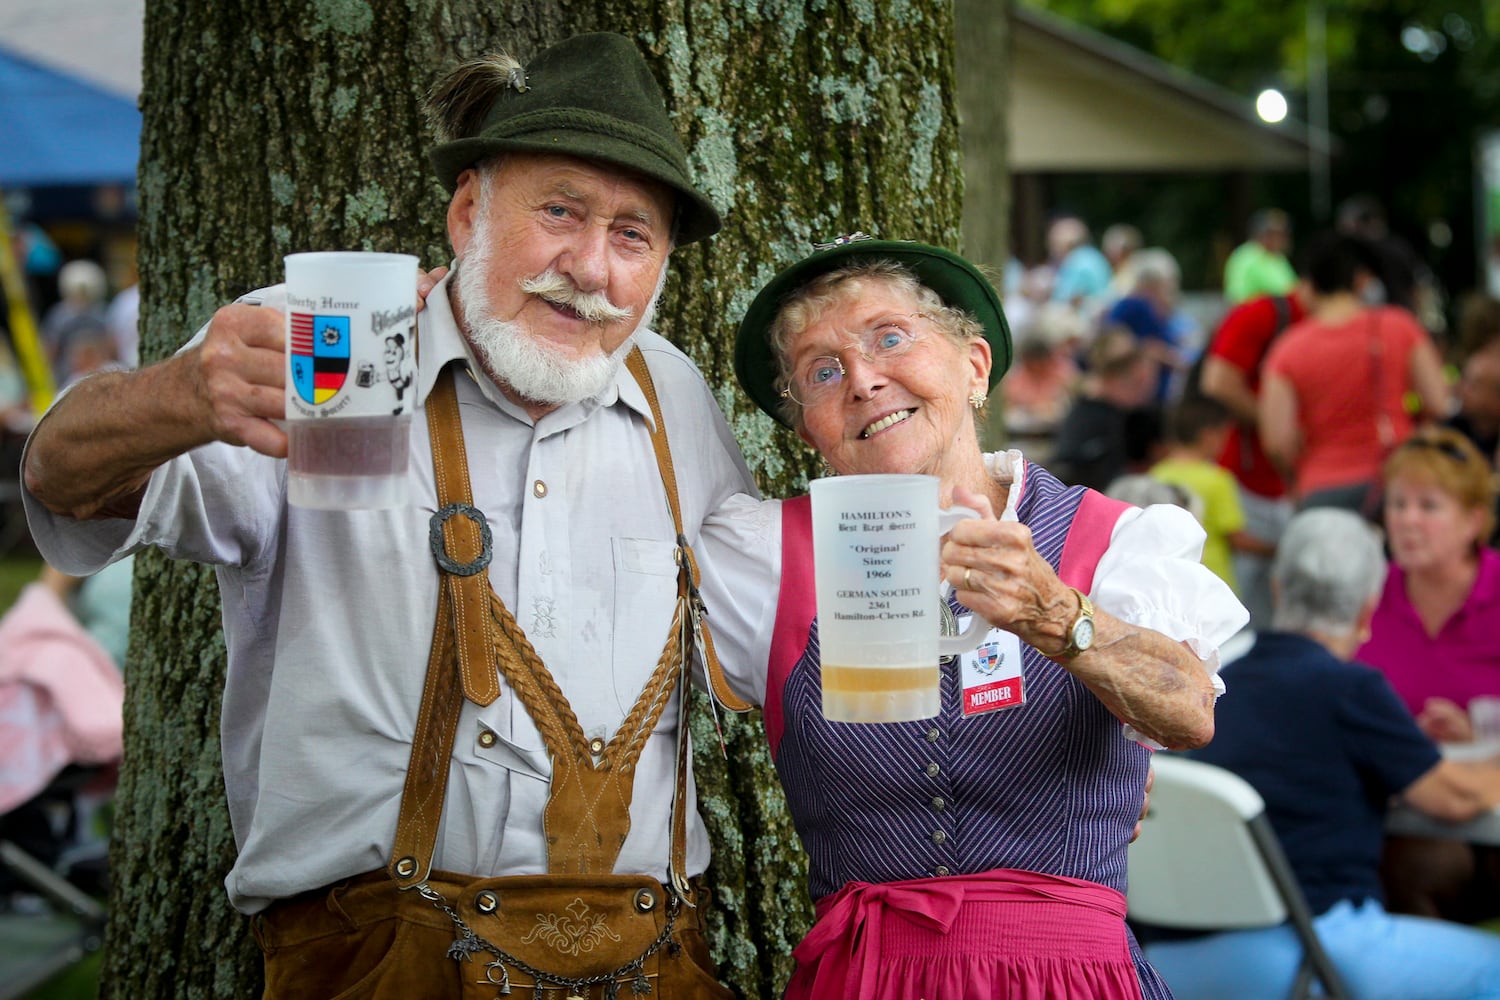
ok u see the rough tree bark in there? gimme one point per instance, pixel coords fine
(273, 127)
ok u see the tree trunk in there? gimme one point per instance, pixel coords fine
(277, 127)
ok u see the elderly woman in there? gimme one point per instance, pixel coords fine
(1433, 635)
(980, 853)
(1327, 743)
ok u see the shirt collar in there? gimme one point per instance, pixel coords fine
(441, 341)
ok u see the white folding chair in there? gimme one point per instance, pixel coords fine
(1207, 859)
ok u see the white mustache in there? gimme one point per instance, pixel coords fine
(595, 307)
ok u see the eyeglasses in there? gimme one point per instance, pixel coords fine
(819, 379)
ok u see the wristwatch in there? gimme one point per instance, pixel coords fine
(1081, 632)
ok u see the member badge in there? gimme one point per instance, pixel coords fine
(992, 675)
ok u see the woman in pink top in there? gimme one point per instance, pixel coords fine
(1434, 635)
(1331, 402)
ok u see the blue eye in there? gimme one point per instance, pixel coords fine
(889, 339)
(557, 211)
(822, 374)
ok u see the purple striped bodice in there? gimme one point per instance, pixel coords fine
(1049, 786)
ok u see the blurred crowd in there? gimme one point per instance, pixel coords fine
(1325, 378)
(62, 638)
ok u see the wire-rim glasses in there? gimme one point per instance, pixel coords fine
(819, 379)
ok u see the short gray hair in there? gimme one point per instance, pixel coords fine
(1329, 566)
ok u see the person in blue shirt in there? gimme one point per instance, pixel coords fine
(1327, 743)
(1083, 272)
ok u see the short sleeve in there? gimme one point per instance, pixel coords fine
(1380, 734)
(1242, 337)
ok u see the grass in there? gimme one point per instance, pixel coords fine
(16, 571)
(81, 982)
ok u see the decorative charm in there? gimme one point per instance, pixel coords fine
(503, 982)
(463, 948)
(977, 399)
(839, 241)
(516, 78)
(826, 471)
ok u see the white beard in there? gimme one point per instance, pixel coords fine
(531, 368)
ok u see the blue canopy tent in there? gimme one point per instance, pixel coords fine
(59, 131)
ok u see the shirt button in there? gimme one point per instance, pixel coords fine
(486, 738)
(939, 837)
(933, 770)
(596, 746)
(940, 870)
(538, 489)
(938, 803)
(934, 734)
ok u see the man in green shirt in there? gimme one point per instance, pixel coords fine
(1259, 265)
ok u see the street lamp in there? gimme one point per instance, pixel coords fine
(1270, 104)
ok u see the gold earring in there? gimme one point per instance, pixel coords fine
(977, 399)
(826, 471)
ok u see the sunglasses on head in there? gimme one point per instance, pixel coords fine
(1447, 448)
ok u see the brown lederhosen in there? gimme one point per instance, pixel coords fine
(578, 931)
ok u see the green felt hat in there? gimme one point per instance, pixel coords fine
(956, 281)
(590, 96)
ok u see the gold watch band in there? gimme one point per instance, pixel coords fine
(1085, 611)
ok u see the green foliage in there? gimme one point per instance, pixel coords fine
(1404, 113)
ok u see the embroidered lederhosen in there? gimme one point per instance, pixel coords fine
(579, 927)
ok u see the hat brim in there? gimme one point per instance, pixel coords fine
(698, 219)
(955, 280)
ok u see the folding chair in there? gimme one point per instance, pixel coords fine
(1208, 859)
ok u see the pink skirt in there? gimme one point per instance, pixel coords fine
(1017, 935)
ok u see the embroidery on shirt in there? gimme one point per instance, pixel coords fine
(543, 618)
(582, 934)
(544, 564)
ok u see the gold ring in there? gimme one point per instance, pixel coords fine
(967, 585)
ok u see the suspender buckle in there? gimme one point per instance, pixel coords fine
(440, 547)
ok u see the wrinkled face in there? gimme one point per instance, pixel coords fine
(1428, 528)
(908, 414)
(595, 229)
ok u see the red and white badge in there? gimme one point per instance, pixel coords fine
(992, 674)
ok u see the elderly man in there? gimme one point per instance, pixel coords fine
(501, 800)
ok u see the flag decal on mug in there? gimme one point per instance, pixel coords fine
(320, 355)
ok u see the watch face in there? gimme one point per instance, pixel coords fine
(1083, 634)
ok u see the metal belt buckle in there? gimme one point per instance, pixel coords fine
(440, 548)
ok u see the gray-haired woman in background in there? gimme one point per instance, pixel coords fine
(1327, 742)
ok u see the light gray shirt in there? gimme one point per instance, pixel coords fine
(328, 618)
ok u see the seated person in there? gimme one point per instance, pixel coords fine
(1326, 743)
(1111, 429)
(1433, 637)
(1039, 389)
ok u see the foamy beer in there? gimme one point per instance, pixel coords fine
(880, 596)
(351, 323)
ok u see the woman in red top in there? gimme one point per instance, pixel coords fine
(1332, 403)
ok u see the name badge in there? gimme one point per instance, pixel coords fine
(992, 674)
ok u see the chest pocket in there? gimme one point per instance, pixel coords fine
(645, 589)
